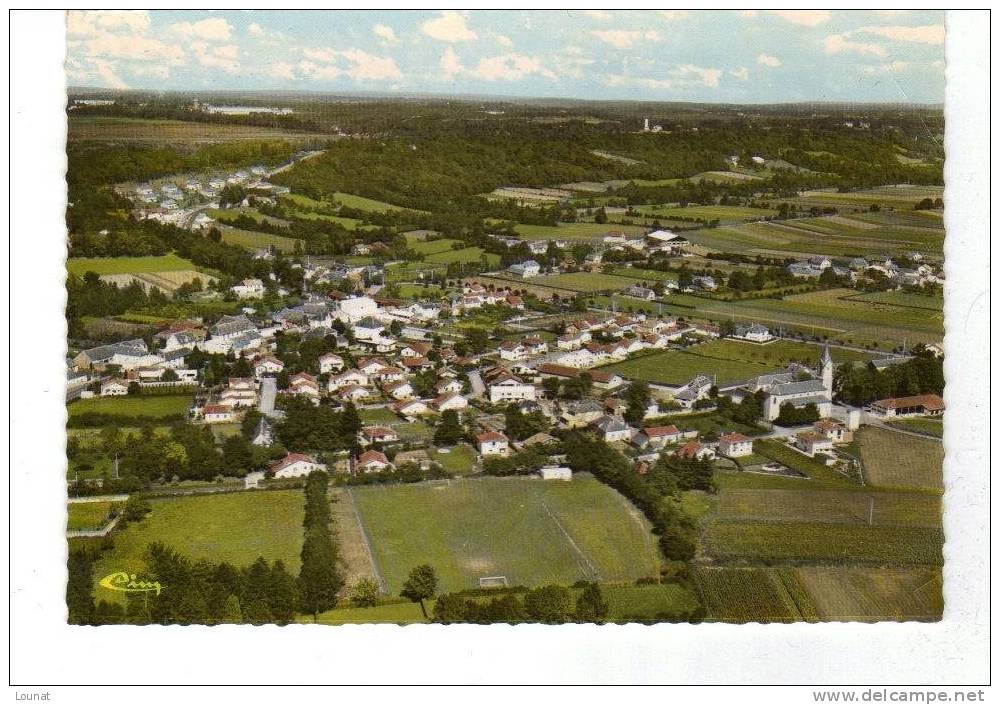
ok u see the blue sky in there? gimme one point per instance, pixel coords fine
(712, 56)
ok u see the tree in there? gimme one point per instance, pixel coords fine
(637, 400)
(552, 604)
(136, 508)
(420, 585)
(365, 593)
(450, 609)
(449, 429)
(80, 588)
(232, 613)
(601, 215)
(591, 605)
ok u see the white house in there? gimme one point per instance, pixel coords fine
(295, 465)
(372, 461)
(811, 443)
(267, 366)
(508, 388)
(400, 390)
(330, 362)
(216, 413)
(526, 269)
(612, 429)
(735, 445)
(492, 443)
(114, 388)
(354, 308)
(450, 401)
(754, 333)
(249, 289)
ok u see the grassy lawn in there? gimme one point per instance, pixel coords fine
(816, 471)
(586, 281)
(430, 247)
(466, 255)
(236, 528)
(88, 515)
(676, 367)
(128, 265)
(829, 506)
(629, 603)
(902, 298)
(459, 460)
(929, 427)
(152, 407)
(390, 613)
(531, 531)
(897, 460)
(380, 415)
(706, 423)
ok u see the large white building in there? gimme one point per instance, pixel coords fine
(510, 388)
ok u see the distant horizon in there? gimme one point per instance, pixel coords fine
(765, 57)
(469, 97)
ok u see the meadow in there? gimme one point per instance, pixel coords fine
(148, 407)
(677, 367)
(531, 531)
(237, 527)
(88, 515)
(707, 213)
(585, 281)
(254, 240)
(128, 265)
(574, 231)
(834, 506)
(929, 427)
(862, 594)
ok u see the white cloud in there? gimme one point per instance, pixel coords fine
(90, 23)
(385, 33)
(107, 75)
(223, 57)
(213, 29)
(675, 15)
(805, 18)
(768, 60)
(841, 44)
(151, 70)
(360, 65)
(511, 67)
(742, 73)
(451, 66)
(282, 70)
(132, 48)
(255, 30)
(449, 27)
(602, 15)
(503, 40)
(925, 34)
(623, 38)
(689, 73)
(892, 67)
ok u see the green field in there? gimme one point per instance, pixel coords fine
(902, 298)
(87, 515)
(465, 255)
(237, 528)
(707, 423)
(574, 231)
(253, 240)
(346, 223)
(460, 460)
(151, 407)
(707, 213)
(930, 427)
(531, 531)
(677, 367)
(897, 460)
(740, 595)
(830, 506)
(430, 247)
(128, 265)
(585, 281)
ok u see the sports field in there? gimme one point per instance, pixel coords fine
(897, 460)
(585, 281)
(151, 407)
(530, 531)
(128, 265)
(236, 528)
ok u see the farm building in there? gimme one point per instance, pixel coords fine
(114, 388)
(754, 333)
(919, 405)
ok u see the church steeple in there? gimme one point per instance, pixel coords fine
(826, 367)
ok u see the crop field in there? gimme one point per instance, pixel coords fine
(411, 271)
(574, 231)
(902, 298)
(88, 515)
(645, 275)
(151, 407)
(902, 197)
(788, 541)
(430, 247)
(741, 595)
(860, 594)
(229, 215)
(127, 265)
(897, 460)
(222, 527)
(726, 177)
(365, 204)
(531, 531)
(778, 353)
(830, 506)
(585, 281)
(166, 282)
(253, 240)
(707, 213)
(346, 223)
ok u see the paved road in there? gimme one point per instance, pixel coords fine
(478, 388)
(268, 390)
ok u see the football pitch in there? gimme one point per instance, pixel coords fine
(530, 531)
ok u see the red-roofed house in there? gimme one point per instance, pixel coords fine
(919, 405)
(295, 465)
(492, 443)
(694, 449)
(658, 436)
(735, 445)
(372, 461)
